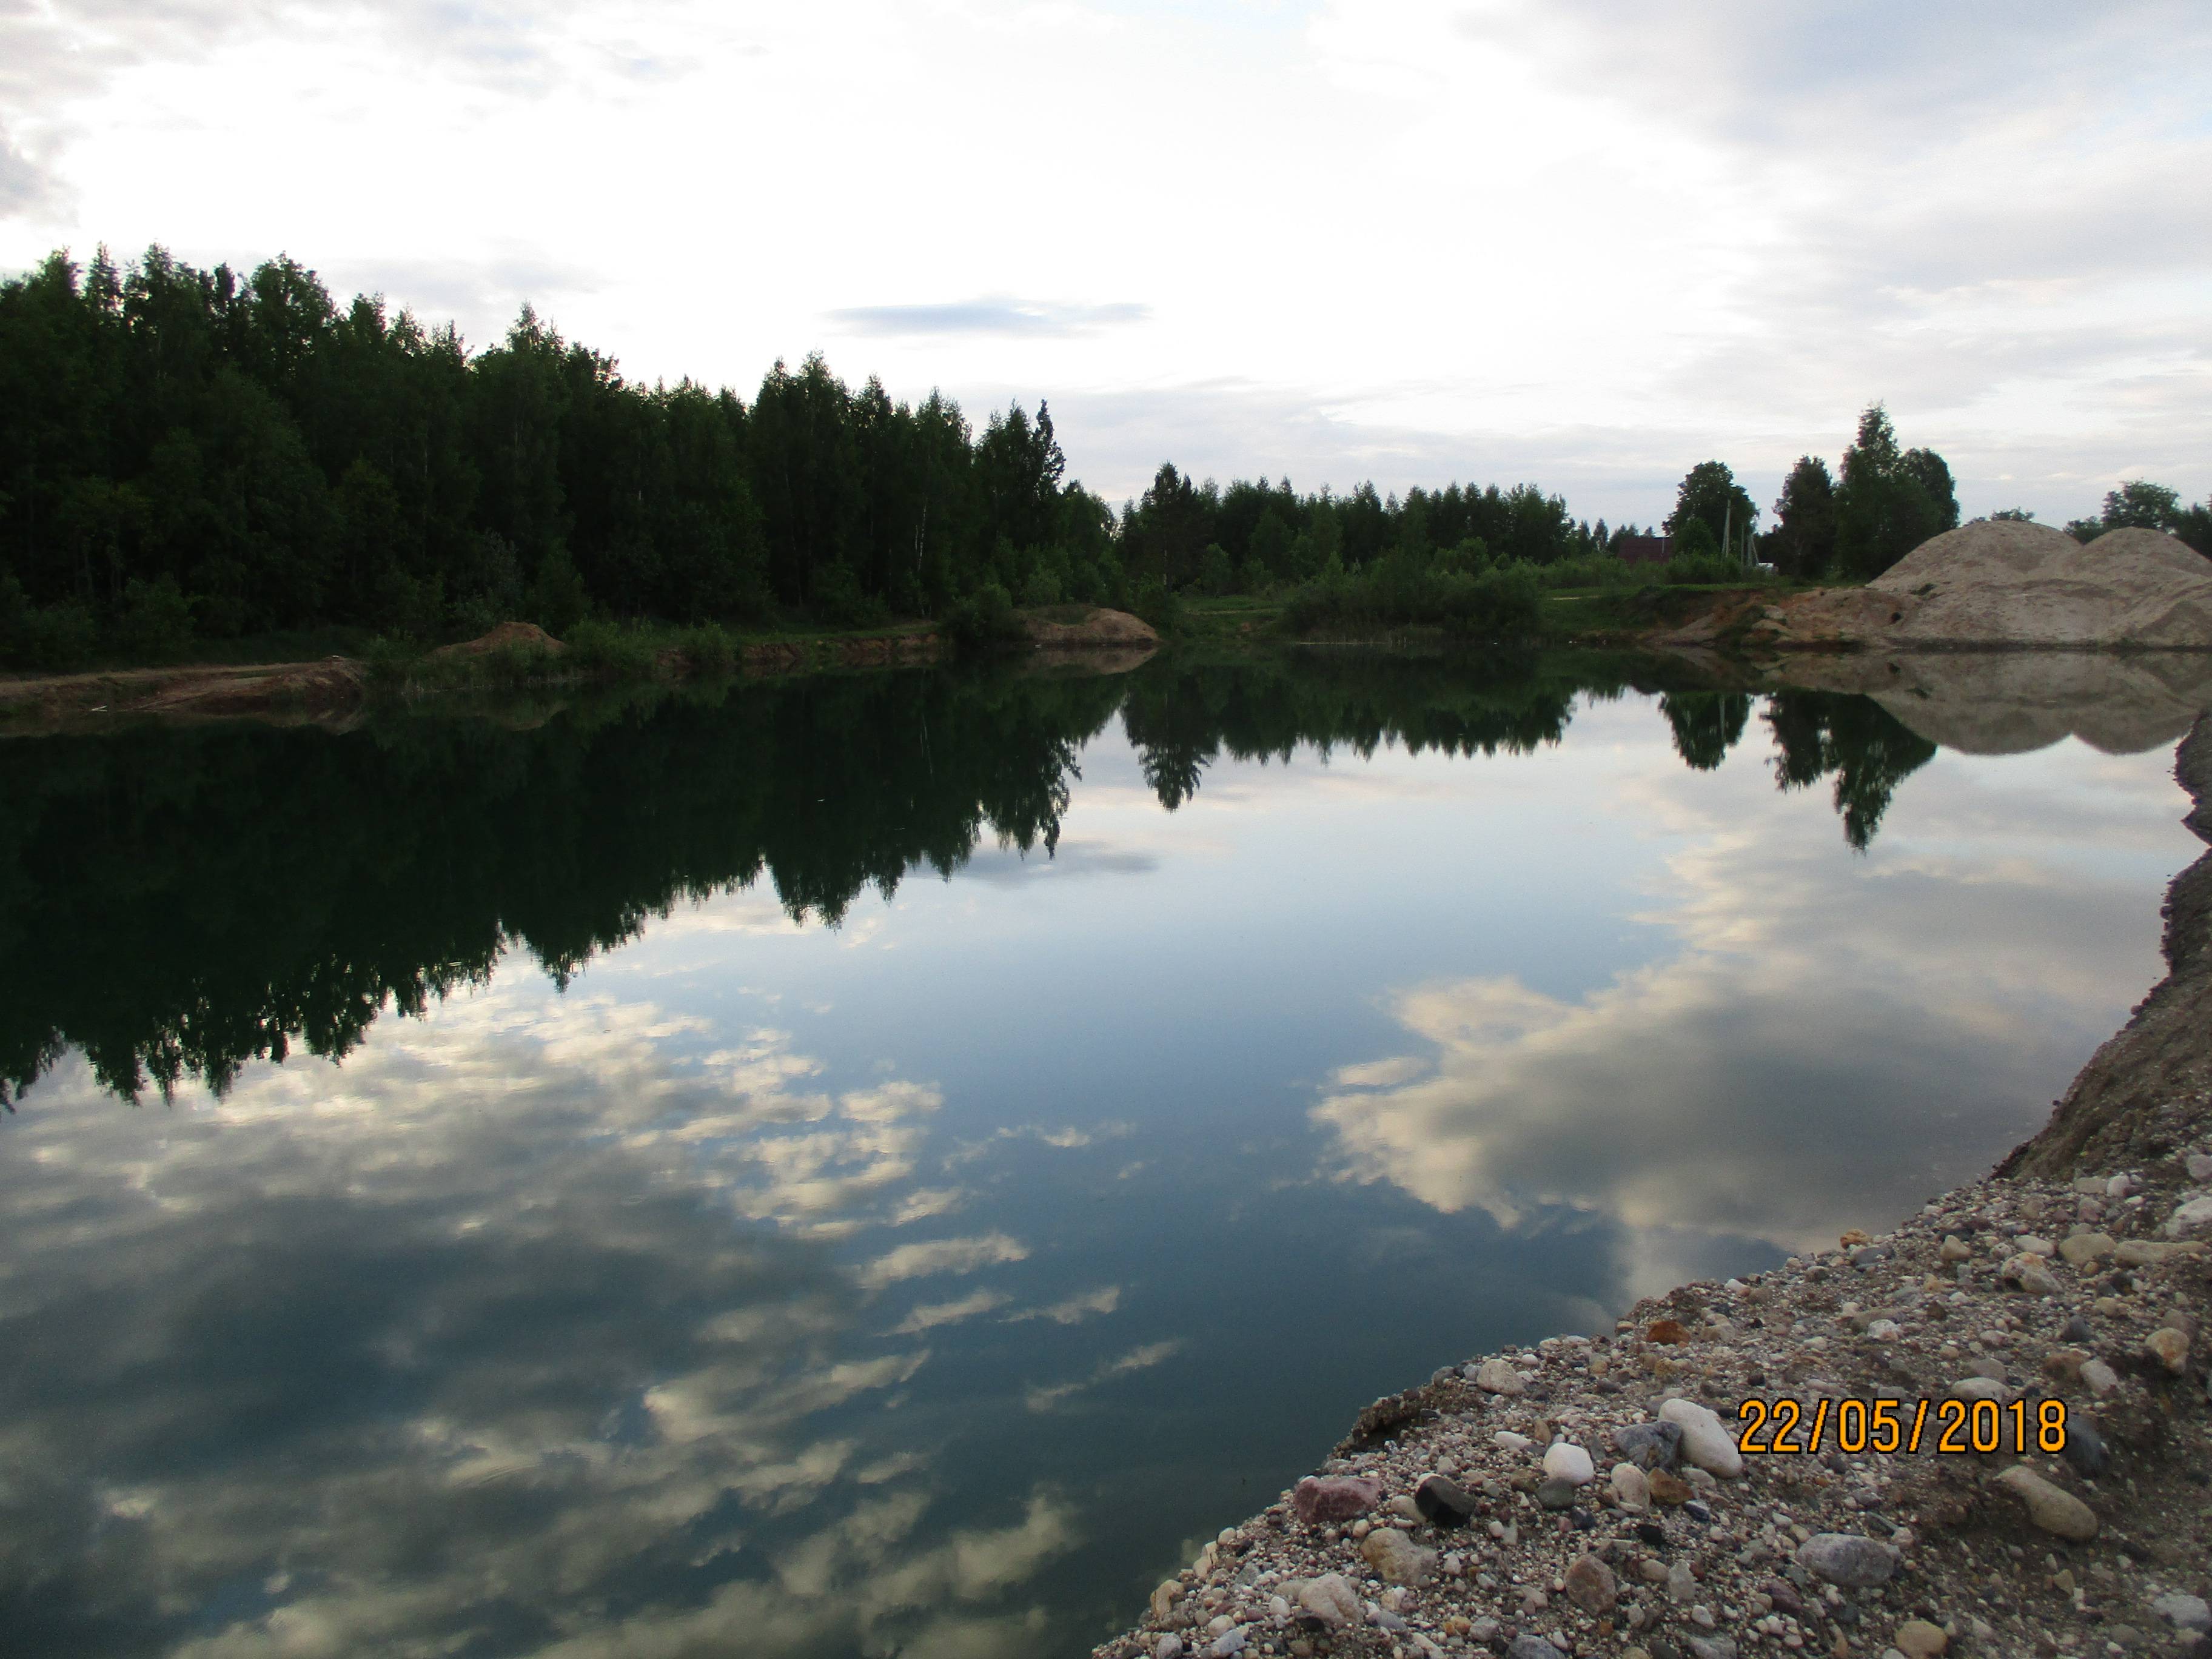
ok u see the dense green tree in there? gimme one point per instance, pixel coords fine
(1709, 495)
(1889, 501)
(1804, 540)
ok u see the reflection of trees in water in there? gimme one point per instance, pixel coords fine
(180, 902)
(1706, 725)
(1866, 748)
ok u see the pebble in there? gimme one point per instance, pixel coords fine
(2031, 1275)
(2183, 1610)
(1498, 1376)
(1916, 1639)
(1525, 1646)
(1330, 1598)
(1847, 1558)
(1565, 1461)
(1669, 1488)
(1395, 1558)
(1590, 1585)
(1169, 1647)
(1980, 1387)
(2170, 1346)
(1444, 1502)
(1707, 1444)
(2101, 1378)
(2199, 1166)
(1320, 1501)
(2193, 1216)
(1228, 1643)
(2084, 1248)
(2053, 1508)
(1649, 1445)
(1631, 1489)
(2085, 1447)
(2149, 1253)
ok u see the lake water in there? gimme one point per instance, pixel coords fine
(885, 1164)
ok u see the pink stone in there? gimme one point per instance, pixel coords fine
(1322, 1501)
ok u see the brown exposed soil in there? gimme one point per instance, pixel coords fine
(525, 636)
(286, 692)
(1092, 629)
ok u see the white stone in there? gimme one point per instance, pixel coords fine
(2185, 1611)
(1706, 1443)
(2193, 1217)
(1498, 1377)
(2102, 1378)
(1632, 1487)
(1565, 1461)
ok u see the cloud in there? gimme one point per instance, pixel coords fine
(1791, 1028)
(1074, 1309)
(942, 1255)
(930, 1315)
(1042, 1399)
(994, 314)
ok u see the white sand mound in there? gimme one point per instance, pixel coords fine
(2006, 583)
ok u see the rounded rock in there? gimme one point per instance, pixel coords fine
(2052, 1508)
(1705, 1443)
(1631, 1488)
(1916, 1639)
(2170, 1346)
(1565, 1461)
(1848, 1560)
(1590, 1585)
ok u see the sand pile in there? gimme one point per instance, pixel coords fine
(2015, 584)
(1095, 628)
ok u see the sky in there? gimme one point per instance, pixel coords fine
(1560, 241)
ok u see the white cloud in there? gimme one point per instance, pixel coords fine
(942, 1255)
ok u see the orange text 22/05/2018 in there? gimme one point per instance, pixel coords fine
(1900, 1426)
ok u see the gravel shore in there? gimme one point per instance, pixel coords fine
(1587, 1496)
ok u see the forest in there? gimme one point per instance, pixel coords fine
(190, 455)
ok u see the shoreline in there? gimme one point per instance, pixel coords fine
(1585, 1496)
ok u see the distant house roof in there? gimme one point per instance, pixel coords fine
(1643, 550)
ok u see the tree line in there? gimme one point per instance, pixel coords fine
(198, 453)
(193, 453)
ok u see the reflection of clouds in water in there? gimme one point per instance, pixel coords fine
(1074, 1309)
(1736, 1089)
(1075, 856)
(457, 1343)
(1045, 1398)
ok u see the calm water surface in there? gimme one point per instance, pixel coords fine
(881, 1165)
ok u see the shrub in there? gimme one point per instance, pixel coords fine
(984, 622)
(610, 651)
(1158, 605)
(155, 622)
(708, 649)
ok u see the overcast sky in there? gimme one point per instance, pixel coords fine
(1577, 242)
